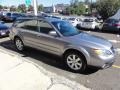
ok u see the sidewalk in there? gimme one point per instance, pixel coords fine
(17, 73)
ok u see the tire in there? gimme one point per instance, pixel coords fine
(102, 30)
(96, 28)
(75, 61)
(19, 44)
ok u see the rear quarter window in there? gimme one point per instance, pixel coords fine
(27, 24)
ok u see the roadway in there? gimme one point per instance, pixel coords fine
(107, 79)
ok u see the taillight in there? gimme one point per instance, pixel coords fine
(116, 24)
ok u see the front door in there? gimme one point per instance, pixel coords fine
(47, 42)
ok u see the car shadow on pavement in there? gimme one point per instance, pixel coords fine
(44, 57)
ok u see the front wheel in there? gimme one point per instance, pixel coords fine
(75, 61)
(19, 44)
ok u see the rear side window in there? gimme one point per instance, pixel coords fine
(109, 21)
(112, 21)
(116, 21)
(8, 14)
(30, 25)
(88, 20)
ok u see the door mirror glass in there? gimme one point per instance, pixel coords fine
(53, 33)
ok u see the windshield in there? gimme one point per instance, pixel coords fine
(88, 20)
(65, 28)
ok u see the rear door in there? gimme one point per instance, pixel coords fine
(28, 30)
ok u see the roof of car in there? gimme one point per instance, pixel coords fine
(40, 17)
(53, 19)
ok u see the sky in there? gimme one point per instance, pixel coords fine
(44, 2)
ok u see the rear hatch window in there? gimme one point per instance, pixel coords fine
(88, 20)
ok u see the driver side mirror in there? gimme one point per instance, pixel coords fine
(53, 33)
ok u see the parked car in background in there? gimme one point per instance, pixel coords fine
(91, 23)
(74, 20)
(11, 16)
(111, 24)
(2, 13)
(4, 30)
(1, 16)
(59, 37)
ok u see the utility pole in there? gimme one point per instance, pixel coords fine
(35, 7)
(91, 6)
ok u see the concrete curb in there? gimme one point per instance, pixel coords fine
(56, 82)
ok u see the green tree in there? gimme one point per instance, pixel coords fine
(81, 9)
(77, 7)
(13, 8)
(40, 7)
(107, 8)
(30, 8)
(1, 7)
(22, 8)
(72, 10)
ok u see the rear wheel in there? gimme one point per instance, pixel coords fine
(75, 61)
(19, 44)
(97, 28)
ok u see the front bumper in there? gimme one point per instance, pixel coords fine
(102, 63)
(107, 64)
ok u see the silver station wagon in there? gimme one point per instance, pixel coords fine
(59, 37)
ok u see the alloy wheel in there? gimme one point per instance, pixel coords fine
(74, 62)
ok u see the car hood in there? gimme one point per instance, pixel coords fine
(3, 27)
(85, 39)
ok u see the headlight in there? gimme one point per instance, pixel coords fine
(101, 52)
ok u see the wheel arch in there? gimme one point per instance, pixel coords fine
(18, 37)
(78, 51)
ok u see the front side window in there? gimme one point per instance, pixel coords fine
(44, 27)
(65, 28)
(109, 21)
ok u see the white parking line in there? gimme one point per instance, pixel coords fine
(114, 41)
(118, 35)
(88, 31)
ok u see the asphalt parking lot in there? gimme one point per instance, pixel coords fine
(107, 79)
